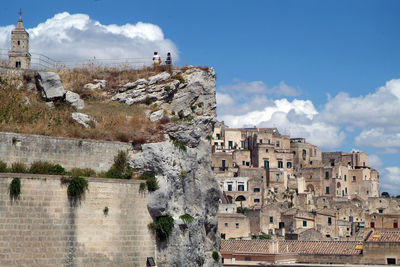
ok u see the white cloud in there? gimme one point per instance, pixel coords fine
(374, 161)
(259, 88)
(377, 137)
(390, 180)
(75, 36)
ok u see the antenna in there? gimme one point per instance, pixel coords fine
(20, 12)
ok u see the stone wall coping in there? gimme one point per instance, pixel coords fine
(58, 177)
(65, 138)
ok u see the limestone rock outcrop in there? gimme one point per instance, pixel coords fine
(182, 166)
(74, 100)
(83, 119)
(96, 85)
(190, 93)
(49, 84)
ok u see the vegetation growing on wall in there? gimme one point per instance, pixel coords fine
(43, 167)
(215, 255)
(77, 187)
(163, 227)
(18, 167)
(179, 144)
(3, 166)
(15, 188)
(151, 181)
(186, 218)
(120, 169)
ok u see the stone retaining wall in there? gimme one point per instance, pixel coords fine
(41, 228)
(69, 152)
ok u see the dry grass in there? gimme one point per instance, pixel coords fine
(75, 79)
(116, 121)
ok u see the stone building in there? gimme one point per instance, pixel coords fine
(19, 56)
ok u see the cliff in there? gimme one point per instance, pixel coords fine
(187, 185)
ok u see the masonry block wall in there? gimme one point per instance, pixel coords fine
(69, 152)
(41, 228)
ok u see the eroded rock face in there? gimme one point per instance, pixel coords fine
(192, 93)
(185, 178)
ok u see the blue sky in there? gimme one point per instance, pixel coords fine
(325, 70)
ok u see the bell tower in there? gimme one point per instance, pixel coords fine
(19, 56)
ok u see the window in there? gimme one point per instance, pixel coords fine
(243, 163)
(18, 64)
(277, 143)
(391, 261)
(269, 141)
(243, 143)
(223, 163)
(241, 187)
(223, 236)
(329, 221)
(277, 177)
(281, 225)
(364, 164)
(256, 200)
(247, 163)
(218, 136)
(372, 224)
(342, 193)
(276, 190)
(380, 210)
(304, 154)
(280, 164)
(326, 175)
(266, 164)
(222, 144)
(345, 177)
(271, 219)
(230, 144)
(19, 42)
(266, 150)
(345, 190)
(260, 141)
(395, 224)
(289, 165)
(310, 176)
(229, 187)
(237, 225)
(310, 162)
(354, 178)
(216, 143)
(270, 232)
(256, 190)
(327, 190)
(304, 223)
(332, 162)
(226, 224)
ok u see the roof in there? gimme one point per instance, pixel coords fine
(384, 236)
(300, 247)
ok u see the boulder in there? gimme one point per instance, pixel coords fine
(157, 115)
(50, 85)
(159, 78)
(74, 100)
(96, 85)
(83, 119)
(131, 85)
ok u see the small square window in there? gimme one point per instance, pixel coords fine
(256, 200)
(226, 224)
(237, 225)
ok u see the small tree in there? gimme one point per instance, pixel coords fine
(385, 194)
(120, 169)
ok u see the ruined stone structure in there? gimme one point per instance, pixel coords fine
(19, 56)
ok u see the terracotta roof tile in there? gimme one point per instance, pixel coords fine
(384, 236)
(300, 247)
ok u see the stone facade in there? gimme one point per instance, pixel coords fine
(68, 152)
(41, 228)
(19, 56)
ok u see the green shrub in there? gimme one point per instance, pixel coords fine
(151, 181)
(167, 88)
(18, 167)
(3, 166)
(179, 144)
(148, 101)
(215, 255)
(179, 77)
(15, 188)
(193, 108)
(183, 174)
(263, 237)
(163, 227)
(181, 115)
(77, 188)
(120, 169)
(142, 187)
(43, 167)
(186, 218)
(86, 172)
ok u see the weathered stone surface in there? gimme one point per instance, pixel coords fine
(96, 85)
(74, 100)
(134, 84)
(50, 85)
(157, 115)
(83, 119)
(159, 78)
(193, 96)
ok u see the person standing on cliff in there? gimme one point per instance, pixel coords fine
(156, 59)
(168, 61)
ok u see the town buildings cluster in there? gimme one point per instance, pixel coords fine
(286, 188)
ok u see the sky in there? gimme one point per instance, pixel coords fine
(328, 71)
